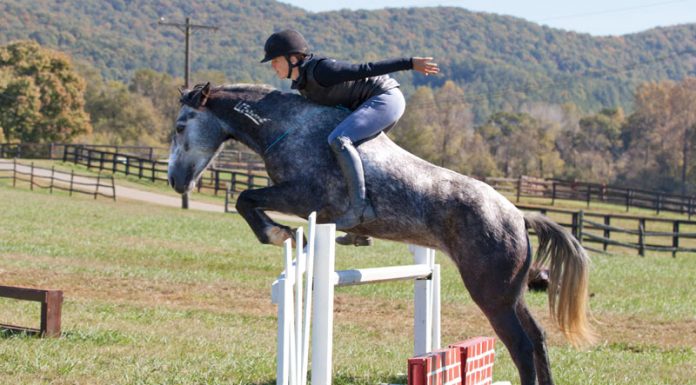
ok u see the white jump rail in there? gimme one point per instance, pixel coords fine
(314, 272)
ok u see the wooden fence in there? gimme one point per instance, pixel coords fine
(228, 158)
(50, 179)
(215, 179)
(625, 231)
(554, 189)
(51, 305)
(151, 163)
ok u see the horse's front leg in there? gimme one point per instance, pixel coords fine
(283, 198)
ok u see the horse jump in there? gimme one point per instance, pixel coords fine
(316, 264)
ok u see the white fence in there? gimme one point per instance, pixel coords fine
(311, 278)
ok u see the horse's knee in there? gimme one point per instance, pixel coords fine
(243, 202)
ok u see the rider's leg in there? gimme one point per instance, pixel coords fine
(373, 116)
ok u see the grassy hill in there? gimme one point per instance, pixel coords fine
(499, 60)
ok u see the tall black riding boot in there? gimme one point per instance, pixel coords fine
(360, 210)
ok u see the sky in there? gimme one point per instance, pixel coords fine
(596, 17)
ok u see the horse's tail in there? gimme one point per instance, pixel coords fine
(568, 278)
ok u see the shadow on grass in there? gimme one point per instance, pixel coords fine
(8, 333)
(351, 380)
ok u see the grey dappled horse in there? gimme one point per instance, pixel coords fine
(415, 201)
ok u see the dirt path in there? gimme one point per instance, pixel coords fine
(128, 193)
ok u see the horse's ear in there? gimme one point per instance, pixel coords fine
(205, 92)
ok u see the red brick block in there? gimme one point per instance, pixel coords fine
(441, 367)
(477, 355)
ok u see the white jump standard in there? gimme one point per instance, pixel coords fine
(313, 271)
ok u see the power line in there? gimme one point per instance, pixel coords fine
(187, 28)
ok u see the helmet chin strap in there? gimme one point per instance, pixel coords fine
(290, 66)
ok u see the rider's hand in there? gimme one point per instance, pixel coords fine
(425, 65)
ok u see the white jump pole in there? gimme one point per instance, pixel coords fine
(322, 320)
(321, 277)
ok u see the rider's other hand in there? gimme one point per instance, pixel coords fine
(425, 65)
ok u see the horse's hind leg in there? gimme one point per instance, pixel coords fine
(509, 329)
(538, 337)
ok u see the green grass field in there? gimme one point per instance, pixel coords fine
(156, 295)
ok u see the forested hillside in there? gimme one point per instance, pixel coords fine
(501, 62)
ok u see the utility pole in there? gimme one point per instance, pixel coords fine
(187, 28)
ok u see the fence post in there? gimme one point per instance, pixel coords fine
(658, 203)
(72, 177)
(140, 168)
(607, 232)
(628, 199)
(31, 177)
(65, 153)
(519, 188)
(154, 163)
(101, 161)
(553, 193)
(53, 171)
(227, 198)
(127, 165)
(581, 218)
(96, 188)
(14, 172)
(217, 181)
(675, 238)
(691, 205)
(89, 158)
(641, 237)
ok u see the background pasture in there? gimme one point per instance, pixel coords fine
(155, 295)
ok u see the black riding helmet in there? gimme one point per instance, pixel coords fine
(285, 43)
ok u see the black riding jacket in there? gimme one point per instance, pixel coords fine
(333, 83)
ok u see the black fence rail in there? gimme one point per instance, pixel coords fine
(554, 189)
(52, 180)
(236, 167)
(214, 179)
(625, 231)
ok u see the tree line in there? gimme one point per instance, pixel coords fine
(44, 97)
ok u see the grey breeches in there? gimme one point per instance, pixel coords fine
(377, 114)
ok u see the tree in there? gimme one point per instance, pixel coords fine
(660, 135)
(161, 89)
(415, 131)
(596, 146)
(122, 117)
(521, 145)
(438, 127)
(41, 96)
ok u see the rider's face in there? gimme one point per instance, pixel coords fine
(280, 65)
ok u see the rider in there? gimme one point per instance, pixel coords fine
(365, 89)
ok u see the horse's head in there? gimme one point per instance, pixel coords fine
(199, 137)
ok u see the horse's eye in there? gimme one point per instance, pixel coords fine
(180, 128)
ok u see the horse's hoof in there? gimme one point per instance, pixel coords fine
(356, 216)
(354, 239)
(277, 235)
